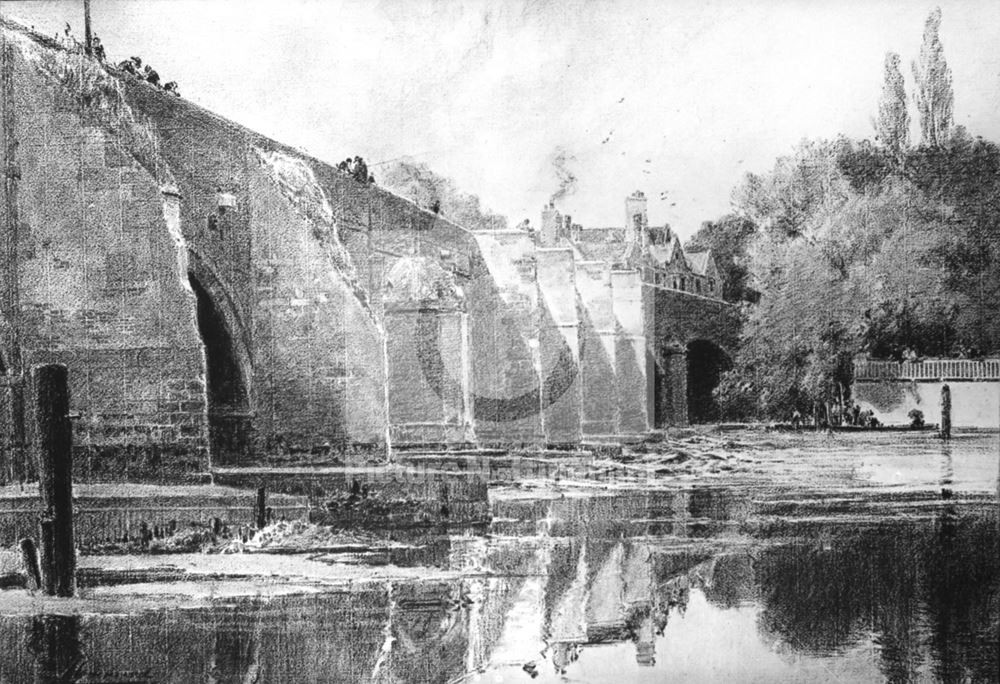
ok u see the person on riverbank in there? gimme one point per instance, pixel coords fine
(796, 419)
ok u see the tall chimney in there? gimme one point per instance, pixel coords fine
(551, 224)
(635, 218)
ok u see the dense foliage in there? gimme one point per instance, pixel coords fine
(729, 238)
(863, 248)
(417, 182)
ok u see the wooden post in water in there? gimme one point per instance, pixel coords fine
(261, 507)
(945, 412)
(52, 446)
(46, 555)
(29, 559)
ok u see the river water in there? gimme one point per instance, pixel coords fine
(817, 559)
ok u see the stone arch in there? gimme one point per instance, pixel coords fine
(228, 377)
(706, 362)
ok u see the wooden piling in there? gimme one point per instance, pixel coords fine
(52, 447)
(945, 412)
(261, 507)
(29, 560)
(46, 565)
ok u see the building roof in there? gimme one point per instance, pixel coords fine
(702, 262)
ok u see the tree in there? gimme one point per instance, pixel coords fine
(729, 239)
(843, 267)
(430, 190)
(892, 129)
(934, 95)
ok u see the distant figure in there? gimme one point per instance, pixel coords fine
(151, 75)
(128, 66)
(344, 166)
(360, 170)
(796, 419)
(436, 206)
(171, 87)
(945, 412)
(98, 48)
(855, 414)
(67, 39)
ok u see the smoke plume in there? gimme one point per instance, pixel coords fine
(561, 160)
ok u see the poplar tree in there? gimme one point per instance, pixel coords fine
(934, 95)
(892, 128)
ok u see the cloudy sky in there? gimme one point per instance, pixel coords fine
(677, 98)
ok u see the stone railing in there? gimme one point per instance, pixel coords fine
(927, 369)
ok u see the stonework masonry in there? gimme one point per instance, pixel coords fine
(221, 299)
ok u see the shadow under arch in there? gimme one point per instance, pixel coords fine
(228, 389)
(706, 362)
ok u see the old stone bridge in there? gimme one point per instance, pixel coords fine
(221, 298)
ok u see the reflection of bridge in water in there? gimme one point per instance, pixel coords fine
(564, 576)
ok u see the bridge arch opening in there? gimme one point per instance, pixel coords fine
(226, 391)
(706, 362)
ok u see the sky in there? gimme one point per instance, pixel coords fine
(678, 99)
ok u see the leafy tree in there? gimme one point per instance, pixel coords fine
(430, 190)
(868, 249)
(892, 128)
(729, 238)
(934, 95)
(856, 248)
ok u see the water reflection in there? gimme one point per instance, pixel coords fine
(597, 589)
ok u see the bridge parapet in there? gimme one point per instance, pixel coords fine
(931, 370)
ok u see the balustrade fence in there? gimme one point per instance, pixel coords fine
(928, 370)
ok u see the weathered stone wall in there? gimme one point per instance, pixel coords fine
(559, 345)
(97, 283)
(597, 349)
(673, 321)
(428, 371)
(504, 316)
(213, 291)
(630, 351)
(289, 294)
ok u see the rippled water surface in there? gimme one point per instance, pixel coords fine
(848, 560)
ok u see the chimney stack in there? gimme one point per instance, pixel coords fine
(635, 218)
(551, 225)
